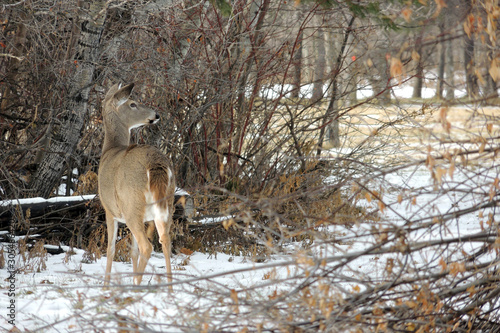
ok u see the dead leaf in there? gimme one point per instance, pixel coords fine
(415, 56)
(443, 113)
(495, 69)
(186, 251)
(234, 297)
(396, 69)
(469, 25)
(451, 170)
(443, 265)
(440, 5)
(406, 12)
(228, 223)
(489, 127)
(456, 268)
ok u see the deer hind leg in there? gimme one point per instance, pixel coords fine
(145, 248)
(163, 223)
(134, 252)
(112, 227)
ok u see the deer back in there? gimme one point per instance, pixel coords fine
(131, 177)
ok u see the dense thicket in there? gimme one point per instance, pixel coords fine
(287, 118)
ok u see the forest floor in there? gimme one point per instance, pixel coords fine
(64, 292)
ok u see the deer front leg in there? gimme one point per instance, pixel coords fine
(112, 227)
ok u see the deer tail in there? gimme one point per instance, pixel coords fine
(160, 180)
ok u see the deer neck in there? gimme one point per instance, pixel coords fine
(116, 135)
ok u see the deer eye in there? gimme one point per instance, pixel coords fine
(133, 105)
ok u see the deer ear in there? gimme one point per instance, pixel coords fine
(123, 93)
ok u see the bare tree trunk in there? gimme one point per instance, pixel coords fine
(67, 132)
(319, 69)
(380, 83)
(330, 123)
(419, 75)
(351, 77)
(491, 85)
(469, 62)
(16, 51)
(441, 65)
(419, 81)
(297, 60)
(449, 70)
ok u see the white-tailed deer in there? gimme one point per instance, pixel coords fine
(136, 182)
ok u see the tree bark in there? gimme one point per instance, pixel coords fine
(469, 62)
(9, 94)
(419, 81)
(419, 76)
(491, 85)
(441, 65)
(297, 60)
(330, 123)
(67, 132)
(449, 69)
(319, 69)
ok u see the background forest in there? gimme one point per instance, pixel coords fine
(348, 129)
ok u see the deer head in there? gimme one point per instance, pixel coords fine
(121, 114)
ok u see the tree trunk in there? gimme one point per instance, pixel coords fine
(419, 81)
(297, 60)
(470, 76)
(441, 65)
(67, 132)
(491, 85)
(15, 58)
(469, 62)
(330, 123)
(449, 70)
(9, 93)
(319, 69)
(419, 76)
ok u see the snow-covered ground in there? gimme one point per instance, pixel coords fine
(397, 91)
(64, 292)
(68, 295)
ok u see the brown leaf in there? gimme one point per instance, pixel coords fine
(456, 268)
(489, 127)
(396, 69)
(467, 28)
(228, 223)
(440, 5)
(186, 251)
(495, 69)
(451, 170)
(469, 25)
(406, 12)
(234, 297)
(443, 264)
(443, 113)
(415, 56)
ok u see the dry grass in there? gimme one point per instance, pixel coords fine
(33, 258)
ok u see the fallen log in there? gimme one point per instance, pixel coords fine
(19, 214)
